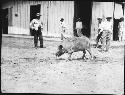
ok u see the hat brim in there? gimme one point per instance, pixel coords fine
(99, 19)
(121, 18)
(109, 18)
(61, 19)
(38, 15)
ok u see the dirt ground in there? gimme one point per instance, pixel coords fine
(25, 69)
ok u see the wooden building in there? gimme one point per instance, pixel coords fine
(17, 15)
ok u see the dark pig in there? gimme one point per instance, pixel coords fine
(75, 44)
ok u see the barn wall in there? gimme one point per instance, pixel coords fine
(21, 22)
(58, 10)
(18, 17)
(100, 9)
(118, 12)
(51, 12)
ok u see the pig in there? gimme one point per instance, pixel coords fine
(74, 44)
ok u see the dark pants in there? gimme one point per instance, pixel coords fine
(79, 32)
(62, 37)
(37, 34)
(99, 37)
(106, 37)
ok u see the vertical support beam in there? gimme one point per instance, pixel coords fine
(91, 20)
(113, 22)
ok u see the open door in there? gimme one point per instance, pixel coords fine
(115, 29)
(33, 10)
(118, 13)
(5, 21)
(83, 10)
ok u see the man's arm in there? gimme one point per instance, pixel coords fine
(41, 24)
(31, 24)
(100, 28)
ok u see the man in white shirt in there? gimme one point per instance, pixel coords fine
(99, 31)
(36, 25)
(79, 27)
(63, 28)
(121, 29)
(107, 31)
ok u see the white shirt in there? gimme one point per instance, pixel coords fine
(101, 25)
(35, 23)
(106, 25)
(79, 25)
(63, 25)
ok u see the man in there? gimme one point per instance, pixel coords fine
(36, 25)
(79, 27)
(121, 28)
(63, 28)
(106, 35)
(99, 30)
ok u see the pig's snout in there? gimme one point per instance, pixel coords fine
(57, 54)
(60, 51)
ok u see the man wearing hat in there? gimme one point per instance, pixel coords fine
(63, 28)
(99, 30)
(36, 25)
(107, 31)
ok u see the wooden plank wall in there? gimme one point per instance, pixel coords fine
(21, 21)
(51, 12)
(56, 11)
(44, 17)
(118, 13)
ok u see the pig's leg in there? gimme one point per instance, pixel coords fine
(69, 58)
(89, 50)
(84, 52)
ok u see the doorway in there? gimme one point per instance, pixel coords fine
(33, 10)
(5, 21)
(83, 10)
(115, 29)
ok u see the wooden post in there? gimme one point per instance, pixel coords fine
(113, 22)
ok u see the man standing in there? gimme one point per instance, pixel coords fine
(36, 25)
(106, 35)
(121, 28)
(63, 28)
(99, 31)
(79, 27)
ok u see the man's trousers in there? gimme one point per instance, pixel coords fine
(79, 32)
(106, 37)
(38, 33)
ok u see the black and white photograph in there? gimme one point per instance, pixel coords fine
(62, 47)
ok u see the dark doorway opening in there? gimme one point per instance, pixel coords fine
(115, 29)
(33, 10)
(5, 21)
(83, 10)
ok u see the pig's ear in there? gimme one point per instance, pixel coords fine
(60, 47)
